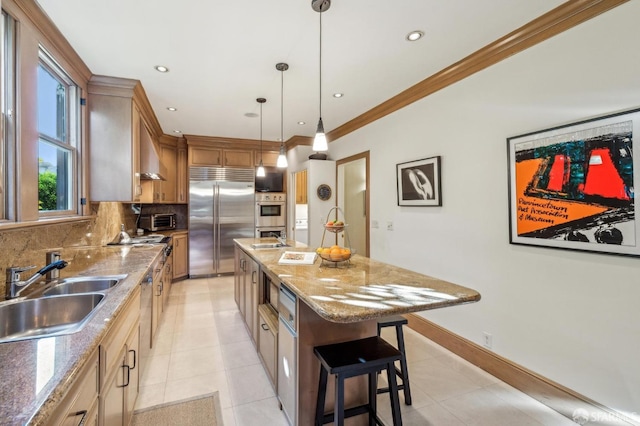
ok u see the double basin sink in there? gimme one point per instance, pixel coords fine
(62, 307)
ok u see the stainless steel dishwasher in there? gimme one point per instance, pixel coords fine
(287, 354)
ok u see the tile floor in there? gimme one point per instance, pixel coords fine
(203, 346)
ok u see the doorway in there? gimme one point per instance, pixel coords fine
(301, 208)
(352, 175)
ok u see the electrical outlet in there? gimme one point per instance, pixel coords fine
(487, 340)
(389, 226)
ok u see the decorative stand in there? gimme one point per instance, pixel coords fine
(341, 255)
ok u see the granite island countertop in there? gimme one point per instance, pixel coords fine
(36, 374)
(360, 289)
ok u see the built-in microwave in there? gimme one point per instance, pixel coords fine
(158, 221)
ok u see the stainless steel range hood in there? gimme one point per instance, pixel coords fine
(150, 166)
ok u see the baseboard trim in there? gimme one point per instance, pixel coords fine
(557, 397)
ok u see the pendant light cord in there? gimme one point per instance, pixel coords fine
(261, 133)
(320, 65)
(281, 106)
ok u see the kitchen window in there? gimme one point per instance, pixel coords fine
(57, 137)
(7, 106)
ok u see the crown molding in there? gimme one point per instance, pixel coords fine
(556, 21)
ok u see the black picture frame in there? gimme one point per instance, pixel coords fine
(419, 183)
(572, 186)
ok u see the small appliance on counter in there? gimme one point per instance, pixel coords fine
(158, 221)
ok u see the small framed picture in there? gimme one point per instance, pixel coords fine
(419, 183)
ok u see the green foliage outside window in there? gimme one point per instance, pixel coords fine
(47, 191)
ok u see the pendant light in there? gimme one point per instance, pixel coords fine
(260, 172)
(320, 140)
(282, 158)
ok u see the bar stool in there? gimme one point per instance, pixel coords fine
(355, 358)
(398, 321)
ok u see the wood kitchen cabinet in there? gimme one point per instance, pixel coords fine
(182, 178)
(119, 366)
(81, 403)
(180, 255)
(301, 187)
(237, 158)
(162, 191)
(269, 158)
(114, 140)
(246, 290)
(268, 341)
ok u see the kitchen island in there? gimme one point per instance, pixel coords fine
(342, 302)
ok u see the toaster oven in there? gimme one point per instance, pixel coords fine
(158, 221)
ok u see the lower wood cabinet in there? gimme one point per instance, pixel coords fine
(80, 406)
(268, 341)
(119, 366)
(180, 255)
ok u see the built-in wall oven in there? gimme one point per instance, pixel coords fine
(268, 231)
(270, 209)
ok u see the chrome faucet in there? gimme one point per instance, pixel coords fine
(282, 238)
(13, 284)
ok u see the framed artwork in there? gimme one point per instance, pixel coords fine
(419, 183)
(572, 187)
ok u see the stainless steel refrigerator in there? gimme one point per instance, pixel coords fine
(221, 208)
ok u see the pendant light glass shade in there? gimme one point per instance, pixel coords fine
(282, 157)
(260, 172)
(320, 141)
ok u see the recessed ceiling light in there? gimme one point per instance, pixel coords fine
(251, 115)
(161, 68)
(338, 95)
(415, 35)
(177, 131)
(301, 123)
(172, 108)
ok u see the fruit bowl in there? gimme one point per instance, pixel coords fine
(335, 228)
(334, 253)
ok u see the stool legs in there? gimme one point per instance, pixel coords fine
(322, 391)
(395, 401)
(403, 372)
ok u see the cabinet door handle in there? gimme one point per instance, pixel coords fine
(159, 290)
(264, 327)
(254, 274)
(135, 357)
(128, 376)
(82, 413)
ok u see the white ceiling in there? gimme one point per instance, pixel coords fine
(222, 54)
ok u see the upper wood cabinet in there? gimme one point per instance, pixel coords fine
(199, 156)
(237, 158)
(114, 140)
(269, 158)
(182, 178)
(121, 120)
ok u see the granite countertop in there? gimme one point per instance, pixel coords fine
(36, 374)
(360, 289)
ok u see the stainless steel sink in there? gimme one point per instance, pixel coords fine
(46, 316)
(84, 285)
(268, 245)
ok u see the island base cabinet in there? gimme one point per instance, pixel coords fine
(268, 341)
(309, 324)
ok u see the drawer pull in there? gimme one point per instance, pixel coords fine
(264, 327)
(82, 413)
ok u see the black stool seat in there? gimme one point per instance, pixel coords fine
(398, 321)
(355, 358)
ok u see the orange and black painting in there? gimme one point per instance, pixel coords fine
(575, 187)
